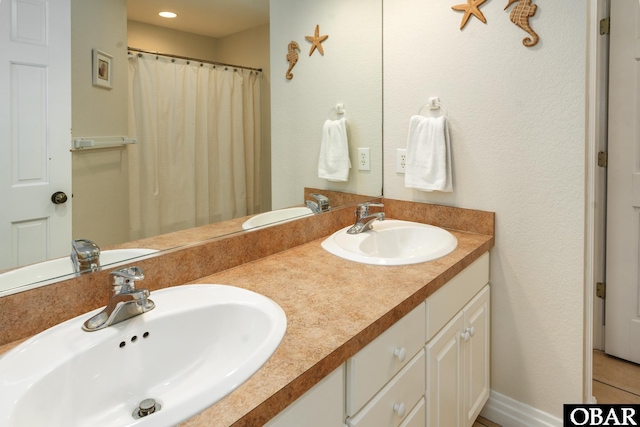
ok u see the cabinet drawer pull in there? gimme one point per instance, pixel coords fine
(472, 331)
(400, 353)
(399, 409)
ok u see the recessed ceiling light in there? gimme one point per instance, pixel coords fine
(167, 14)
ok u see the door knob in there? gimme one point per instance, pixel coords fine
(58, 197)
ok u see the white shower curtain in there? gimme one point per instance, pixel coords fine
(198, 154)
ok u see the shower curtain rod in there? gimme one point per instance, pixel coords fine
(204, 61)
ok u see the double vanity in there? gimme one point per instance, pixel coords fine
(363, 342)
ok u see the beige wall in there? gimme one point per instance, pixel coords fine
(164, 40)
(350, 72)
(518, 123)
(100, 177)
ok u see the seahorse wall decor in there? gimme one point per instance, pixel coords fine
(292, 57)
(520, 16)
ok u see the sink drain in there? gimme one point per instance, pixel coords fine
(146, 407)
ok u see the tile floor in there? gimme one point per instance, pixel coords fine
(615, 380)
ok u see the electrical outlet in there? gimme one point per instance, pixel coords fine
(401, 159)
(364, 161)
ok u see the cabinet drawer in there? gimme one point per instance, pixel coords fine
(373, 366)
(450, 298)
(417, 417)
(405, 390)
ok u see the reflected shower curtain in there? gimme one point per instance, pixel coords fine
(198, 154)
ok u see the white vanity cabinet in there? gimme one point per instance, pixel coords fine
(322, 406)
(398, 381)
(457, 355)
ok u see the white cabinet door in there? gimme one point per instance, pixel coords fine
(476, 356)
(322, 406)
(458, 366)
(444, 375)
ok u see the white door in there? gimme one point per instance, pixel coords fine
(622, 310)
(35, 130)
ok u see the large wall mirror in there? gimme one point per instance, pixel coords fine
(292, 112)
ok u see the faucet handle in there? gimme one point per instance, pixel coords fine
(123, 280)
(362, 209)
(85, 255)
(85, 249)
(323, 201)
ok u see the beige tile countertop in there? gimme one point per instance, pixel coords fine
(334, 307)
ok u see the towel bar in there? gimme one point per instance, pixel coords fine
(101, 142)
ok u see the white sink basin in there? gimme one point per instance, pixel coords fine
(48, 271)
(280, 215)
(195, 347)
(392, 242)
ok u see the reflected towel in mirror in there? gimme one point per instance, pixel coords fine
(428, 163)
(334, 163)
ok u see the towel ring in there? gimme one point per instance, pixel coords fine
(434, 104)
(339, 110)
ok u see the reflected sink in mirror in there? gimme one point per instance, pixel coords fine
(276, 217)
(47, 271)
(392, 242)
(198, 344)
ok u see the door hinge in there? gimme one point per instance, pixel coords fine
(601, 290)
(602, 159)
(605, 26)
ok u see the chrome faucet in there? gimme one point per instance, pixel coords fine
(364, 219)
(85, 256)
(320, 205)
(126, 301)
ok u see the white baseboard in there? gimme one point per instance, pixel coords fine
(510, 413)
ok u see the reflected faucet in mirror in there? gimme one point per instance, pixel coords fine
(126, 301)
(320, 205)
(85, 256)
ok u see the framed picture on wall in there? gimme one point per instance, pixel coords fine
(102, 63)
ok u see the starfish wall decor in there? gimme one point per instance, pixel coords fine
(316, 41)
(471, 8)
